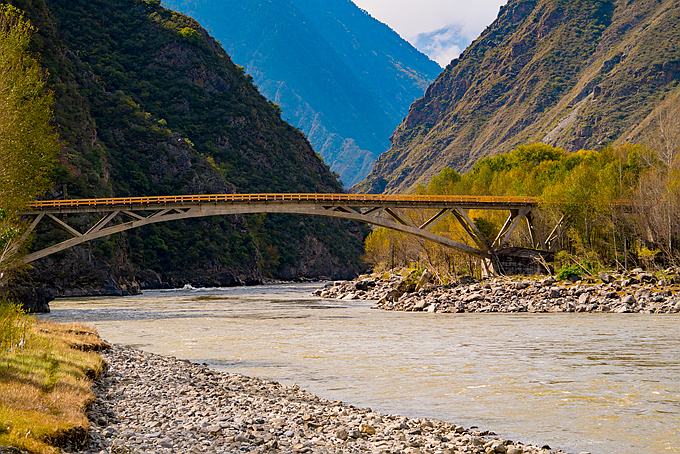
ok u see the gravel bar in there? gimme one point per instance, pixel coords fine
(146, 403)
(634, 292)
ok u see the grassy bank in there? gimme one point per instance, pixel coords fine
(45, 376)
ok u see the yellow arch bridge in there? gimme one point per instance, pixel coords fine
(125, 213)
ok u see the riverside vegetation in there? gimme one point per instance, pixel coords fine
(28, 141)
(46, 371)
(617, 208)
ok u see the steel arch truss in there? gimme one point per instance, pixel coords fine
(119, 216)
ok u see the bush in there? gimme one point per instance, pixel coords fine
(13, 325)
(567, 271)
(190, 35)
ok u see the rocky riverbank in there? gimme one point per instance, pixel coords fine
(637, 291)
(147, 403)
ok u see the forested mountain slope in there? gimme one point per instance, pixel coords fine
(148, 103)
(339, 75)
(574, 74)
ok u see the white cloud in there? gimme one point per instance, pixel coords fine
(442, 45)
(439, 28)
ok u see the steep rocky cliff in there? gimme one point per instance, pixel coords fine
(148, 103)
(575, 74)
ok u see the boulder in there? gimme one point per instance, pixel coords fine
(555, 293)
(425, 279)
(33, 299)
(548, 281)
(420, 305)
(365, 284)
(467, 280)
(646, 277)
(474, 297)
(628, 299)
(366, 429)
(606, 278)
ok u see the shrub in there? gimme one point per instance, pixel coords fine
(13, 325)
(190, 35)
(567, 271)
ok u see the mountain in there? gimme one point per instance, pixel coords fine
(147, 103)
(343, 78)
(574, 74)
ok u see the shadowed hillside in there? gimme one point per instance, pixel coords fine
(146, 103)
(345, 79)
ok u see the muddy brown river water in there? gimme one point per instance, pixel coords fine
(602, 383)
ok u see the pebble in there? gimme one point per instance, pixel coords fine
(150, 404)
(619, 293)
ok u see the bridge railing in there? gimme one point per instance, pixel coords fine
(263, 198)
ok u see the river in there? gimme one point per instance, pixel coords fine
(601, 383)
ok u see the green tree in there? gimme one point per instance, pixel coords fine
(28, 142)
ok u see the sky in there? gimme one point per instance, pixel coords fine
(439, 28)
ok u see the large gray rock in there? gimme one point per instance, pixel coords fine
(34, 299)
(628, 299)
(646, 277)
(555, 292)
(548, 281)
(623, 309)
(474, 297)
(574, 278)
(420, 305)
(606, 278)
(425, 279)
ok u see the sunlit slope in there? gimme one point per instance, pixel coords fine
(571, 74)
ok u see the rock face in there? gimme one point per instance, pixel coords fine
(577, 75)
(145, 402)
(624, 294)
(33, 299)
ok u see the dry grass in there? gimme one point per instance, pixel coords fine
(45, 388)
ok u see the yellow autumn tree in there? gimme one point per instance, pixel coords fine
(28, 142)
